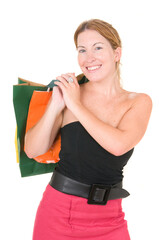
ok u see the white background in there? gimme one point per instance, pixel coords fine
(36, 43)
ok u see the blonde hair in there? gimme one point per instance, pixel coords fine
(106, 30)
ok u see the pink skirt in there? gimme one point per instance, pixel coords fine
(65, 217)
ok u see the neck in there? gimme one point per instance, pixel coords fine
(109, 87)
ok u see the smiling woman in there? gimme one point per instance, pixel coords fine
(96, 57)
(106, 31)
(100, 125)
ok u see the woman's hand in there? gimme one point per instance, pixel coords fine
(57, 99)
(70, 90)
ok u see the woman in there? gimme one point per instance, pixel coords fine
(100, 124)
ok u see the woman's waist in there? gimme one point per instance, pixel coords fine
(90, 174)
(96, 193)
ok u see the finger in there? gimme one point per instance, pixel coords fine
(72, 75)
(68, 78)
(62, 80)
(61, 85)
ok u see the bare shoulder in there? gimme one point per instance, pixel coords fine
(138, 114)
(141, 99)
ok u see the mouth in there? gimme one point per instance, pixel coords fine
(93, 68)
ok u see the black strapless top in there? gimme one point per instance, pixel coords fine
(83, 159)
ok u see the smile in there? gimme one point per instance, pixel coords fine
(92, 68)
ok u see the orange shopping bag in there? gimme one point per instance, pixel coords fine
(37, 108)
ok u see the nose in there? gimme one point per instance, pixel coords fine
(90, 57)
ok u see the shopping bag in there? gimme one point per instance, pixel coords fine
(22, 94)
(37, 108)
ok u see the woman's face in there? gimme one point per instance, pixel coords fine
(96, 57)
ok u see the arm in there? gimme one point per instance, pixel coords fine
(127, 134)
(40, 138)
(117, 140)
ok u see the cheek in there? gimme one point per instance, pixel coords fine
(108, 60)
(80, 61)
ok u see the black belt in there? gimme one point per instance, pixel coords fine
(95, 193)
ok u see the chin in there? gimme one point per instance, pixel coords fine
(94, 78)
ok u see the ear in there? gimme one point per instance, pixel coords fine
(117, 54)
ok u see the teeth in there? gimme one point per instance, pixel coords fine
(93, 68)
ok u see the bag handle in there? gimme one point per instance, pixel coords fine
(52, 83)
(81, 79)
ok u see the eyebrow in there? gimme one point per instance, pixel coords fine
(93, 45)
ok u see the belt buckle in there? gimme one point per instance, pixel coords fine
(99, 194)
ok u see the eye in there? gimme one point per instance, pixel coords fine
(81, 50)
(98, 48)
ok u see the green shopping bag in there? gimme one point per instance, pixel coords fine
(22, 93)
